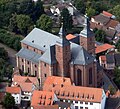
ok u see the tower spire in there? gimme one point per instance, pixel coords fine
(62, 31)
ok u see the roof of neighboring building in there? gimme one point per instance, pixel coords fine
(40, 98)
(113, 58)
(110, 59)
(70, 36)
(26, 87)
(13, 90)
(112, 23)
(77, 93)
(29, 55)
(18, 79)
(117, 59)
(107, 14)
(103, 48)
(26, 83)
(112, 103)
(101, 18)
(57, 80)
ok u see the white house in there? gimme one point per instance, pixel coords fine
(15, 92)
(27, 85)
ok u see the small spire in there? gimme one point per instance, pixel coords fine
(86, 22)
(62, 31)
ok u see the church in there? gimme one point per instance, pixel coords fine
(44, 54)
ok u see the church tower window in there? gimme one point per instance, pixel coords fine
(90, 76)
(79, 77)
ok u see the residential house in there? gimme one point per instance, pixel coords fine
(104, 48)
(15, 92)
(80, 97)
(27, 85)
(106, 22)
(110, 61)
(44, 54)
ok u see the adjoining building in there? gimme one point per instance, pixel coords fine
(22, 88)
(80, 97)
(44, 54)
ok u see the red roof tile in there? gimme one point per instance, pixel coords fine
(74, 92)
(107, 14)
(112, 23)
(57, 80)
(13, 90)
(70, 36)
(103, 48)
(86, 94)
(19, 79)
(40, 98)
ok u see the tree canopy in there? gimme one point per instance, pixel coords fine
(66, 18)
(100, 35)
(44, 23)
(9, 101)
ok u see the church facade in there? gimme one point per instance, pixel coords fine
(44, 54)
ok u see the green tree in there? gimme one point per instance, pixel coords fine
(90, 12)
(66, 18)
(116, 11)
(9, 101)
(23, 23)
(100, 35)
(29, 7)
(80, 5)
(117, 76)
(13, 23)
(118, 45)
(111, 89)
(44, 23)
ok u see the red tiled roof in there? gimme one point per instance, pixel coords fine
(13, 90)
(86, 94)
(112, 23)
(74, 92)
(18, 79)
(40, 98)
(103, 48)
(107, 14)
(26, 87)
(26, 83)
(70, 36)
(58, 80)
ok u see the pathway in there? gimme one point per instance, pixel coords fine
(11, 54)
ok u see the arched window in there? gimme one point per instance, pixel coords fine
(90, 76)
(79, 77)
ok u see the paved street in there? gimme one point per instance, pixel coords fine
(11, 54)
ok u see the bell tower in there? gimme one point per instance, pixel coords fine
(63, 54)
(87, 37)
